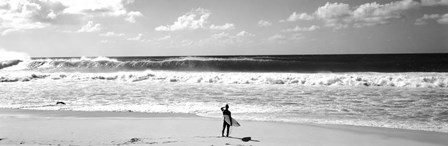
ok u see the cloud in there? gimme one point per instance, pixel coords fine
(302, 16)
(276, 37)
(244, 34)
(139, 37)
(298, 28)
(94, 7)
(434, 2)
(441, 19)
(263, 23)
(341, 15)
(239, 35)
(221, 35)
(102, 8)
(422, 21)
(373, 13)
(51, 15)
(164, 38)
(132, 15)
(194, 19)
(111, 34)
(333, 10)
(90, 27)
(226, 26)
(20, 15)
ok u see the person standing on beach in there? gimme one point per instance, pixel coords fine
(226, 112)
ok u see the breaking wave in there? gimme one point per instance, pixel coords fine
(296, 64)
(9, 58)
(104, 64)
(413, 80)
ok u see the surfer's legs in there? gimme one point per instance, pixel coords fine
(223, 128)
(224, 125)
(228, 128)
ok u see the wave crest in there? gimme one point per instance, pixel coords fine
(298, 64)
(413, 80)
(105, 64)
(10, 58)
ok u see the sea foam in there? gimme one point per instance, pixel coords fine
(413, 80)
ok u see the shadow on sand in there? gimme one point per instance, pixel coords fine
(245, 139)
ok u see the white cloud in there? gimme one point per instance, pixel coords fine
(241, 34)
(164, 38)
(334, 14)
(298, 28)
(19, 15)
(226, 26)
(139, 37)
(276, 37)
(111, 34)
(302, 16)
(373, 13)
(114, 8)
(90, 27)
(443, 19)
(221, 35)
(333, 11)
(422, 21)
(431, 16)
(434, 2)
(244, 34)
(340, 15)
(51, 15)
(94, 7)
(263, 23)
(132, 15)
(194, 19)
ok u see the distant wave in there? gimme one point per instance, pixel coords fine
(413, 80)
(298, 64)
(104, 64)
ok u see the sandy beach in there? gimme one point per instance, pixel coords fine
(26, 127)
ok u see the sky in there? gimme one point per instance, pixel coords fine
(63, 28)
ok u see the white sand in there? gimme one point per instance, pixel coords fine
(109, 128)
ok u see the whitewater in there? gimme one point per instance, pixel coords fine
(256, 88)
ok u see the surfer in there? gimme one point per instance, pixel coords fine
(226, 112)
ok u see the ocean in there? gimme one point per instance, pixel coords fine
(405, 91)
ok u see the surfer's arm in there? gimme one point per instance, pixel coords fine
(222, 108)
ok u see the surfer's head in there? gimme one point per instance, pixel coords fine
(227, 106)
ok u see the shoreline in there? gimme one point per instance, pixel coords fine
(36, 127)
(136, 114)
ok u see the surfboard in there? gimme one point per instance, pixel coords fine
(234, 122)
